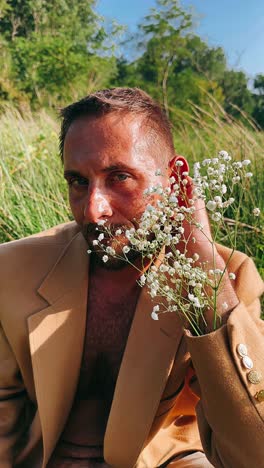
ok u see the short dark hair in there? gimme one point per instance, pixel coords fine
(126, 100)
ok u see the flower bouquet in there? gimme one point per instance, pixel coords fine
(175, 245)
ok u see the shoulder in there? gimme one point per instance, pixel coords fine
(40, 249)
(57, 235)
(248, 283)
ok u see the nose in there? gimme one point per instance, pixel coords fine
(97, 206)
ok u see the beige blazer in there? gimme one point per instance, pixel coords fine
(43, 298)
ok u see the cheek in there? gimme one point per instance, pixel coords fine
(77, 207)
(133, 204)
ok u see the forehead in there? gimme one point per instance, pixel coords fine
(105, 138)
(110, 130)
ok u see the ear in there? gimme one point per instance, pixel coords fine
(179, 169)
(175, 169)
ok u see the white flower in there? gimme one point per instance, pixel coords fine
(95, 242)
(196, 257)
(194, 300)
(223, 189)
(126, 249)
(246, 162)
(215, 161)
(217, 271)
(150, 208)
(179, 217)
(89, 251)
(129, 233)
(118, 232)
(109, 250)
(211, 205)
(216, 216)
(197, 303)
(249, 174)
(179, 163)
(101, 237)
(218, 199)
(101, 222)
(221, 169)
(256, 212)
(232, 276)
(192, 283)
(154, 316)
(143, 279)
(223, 154)
(105, 258)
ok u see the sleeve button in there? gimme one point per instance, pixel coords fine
(247, 362)
(260, 396)
(242, 350)
(254, 377)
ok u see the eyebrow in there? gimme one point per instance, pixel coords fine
(113, 167)
(73, 174)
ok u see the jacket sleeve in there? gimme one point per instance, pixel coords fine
(231, 388)
(14, 407)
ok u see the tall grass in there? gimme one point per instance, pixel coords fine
(33, 193)
(202, 134)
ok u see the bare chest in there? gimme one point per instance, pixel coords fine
(109, 318)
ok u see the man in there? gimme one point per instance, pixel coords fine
(87, 378)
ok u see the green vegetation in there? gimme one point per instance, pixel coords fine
(49, 59)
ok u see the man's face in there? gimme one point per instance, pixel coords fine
(108, 163)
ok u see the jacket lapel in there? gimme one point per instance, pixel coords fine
(146, 365)
(56, 336)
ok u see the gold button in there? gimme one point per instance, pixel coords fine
(254, 377)
(260, 396)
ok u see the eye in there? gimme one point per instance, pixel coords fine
(77, 182)
(120, 177)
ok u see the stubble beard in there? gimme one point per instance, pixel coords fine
(117, 242)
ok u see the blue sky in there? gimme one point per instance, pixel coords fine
(235, 25)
